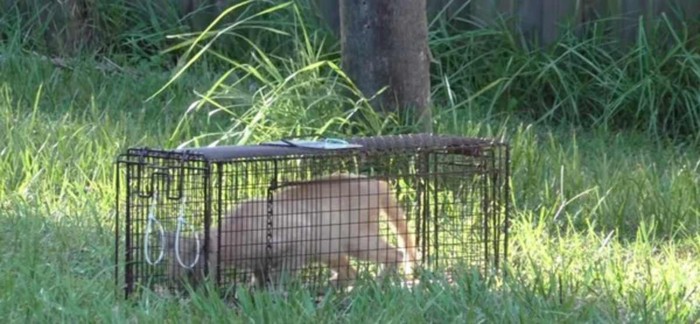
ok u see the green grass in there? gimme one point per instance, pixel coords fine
(649, 86)
(606, 219)
(625, 250)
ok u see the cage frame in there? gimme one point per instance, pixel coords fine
(211, 159)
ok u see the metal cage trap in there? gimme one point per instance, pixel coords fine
(311, 210)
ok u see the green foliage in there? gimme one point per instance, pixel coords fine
(652, 85)
(268, 96)
(605, 227)
(131, 30)
(589, 79)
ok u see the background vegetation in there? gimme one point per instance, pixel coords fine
(605, 157)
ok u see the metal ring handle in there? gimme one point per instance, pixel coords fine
(149, 228)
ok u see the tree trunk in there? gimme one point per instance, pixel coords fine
(385, 43)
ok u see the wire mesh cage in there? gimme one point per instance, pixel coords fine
(318, 212)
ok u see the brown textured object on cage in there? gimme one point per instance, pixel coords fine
(302, 218)
(469, 146)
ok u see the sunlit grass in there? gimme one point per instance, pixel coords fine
(593, 258)
(605, 222)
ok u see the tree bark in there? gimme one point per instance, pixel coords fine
(385, 44)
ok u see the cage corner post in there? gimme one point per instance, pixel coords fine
(219, 212)
(207, 218)
(423, 206)
(128, 256)
(507, 204)
(117, 175)
(274, 183)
